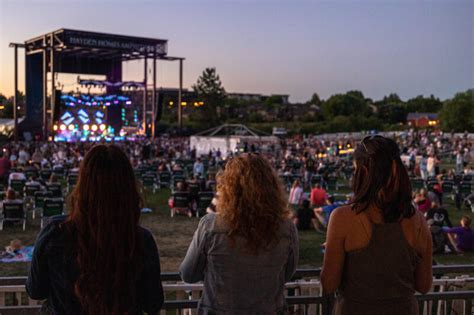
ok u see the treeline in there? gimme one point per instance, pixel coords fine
(350, 111)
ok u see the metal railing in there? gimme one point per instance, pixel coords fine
(307, 297)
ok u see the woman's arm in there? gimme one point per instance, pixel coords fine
(335, 254)
(37, 284)
(424, 247)
(153, 290)
(193, 265)
(293, 255)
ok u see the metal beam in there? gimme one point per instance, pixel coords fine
(15, 95)
(153, 100)
(53, 86)
(45, 92)
(144, 95)
(180, 108)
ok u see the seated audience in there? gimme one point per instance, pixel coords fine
(422, 201)
(462, 237)
(305, 218)
(98, 260)
(318, 196)
(323, 213)
(250, 240)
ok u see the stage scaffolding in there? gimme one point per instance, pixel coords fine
(83, 52)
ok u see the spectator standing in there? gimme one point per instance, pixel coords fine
(5, 166)
(250, 239)
(198, 168)
(88, 262)
(296, 193)
(379, 248)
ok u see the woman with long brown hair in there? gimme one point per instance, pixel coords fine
(98, 260)
(248, 249)
(378, 250)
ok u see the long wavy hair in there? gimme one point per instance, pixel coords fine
(251, 201)
(381, 179)
(104, 224)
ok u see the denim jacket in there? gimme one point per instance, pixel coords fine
(235, 281)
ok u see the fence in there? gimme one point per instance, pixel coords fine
(304, 294)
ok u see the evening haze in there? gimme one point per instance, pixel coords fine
(276, 47)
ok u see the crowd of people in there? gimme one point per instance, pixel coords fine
(262, 198)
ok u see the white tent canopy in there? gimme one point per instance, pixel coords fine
(227, 138)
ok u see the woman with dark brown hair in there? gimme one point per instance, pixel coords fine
(379, 248)
(248, 249)
(98, 260)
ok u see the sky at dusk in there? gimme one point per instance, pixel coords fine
(275, 47)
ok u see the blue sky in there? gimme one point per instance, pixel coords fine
(286, 47)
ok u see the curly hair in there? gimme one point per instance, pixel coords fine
(252, 201)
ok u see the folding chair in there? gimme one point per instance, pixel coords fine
(72, 181)
(448, 187)
(332, 183)
(30, 190)
(51, 207)
(45, 174)
(31, 173)
(178, 173)
(55, 189)
(417, 183)
(13, 211)
(203, 201)
(430, 184)
(316, 179)
(149, 181)
(180, 201)
(40, 196)
(176, 179)
(164, 179)
(18, 185)
(465, 188)
(59, 171)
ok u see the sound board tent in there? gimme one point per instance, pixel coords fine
(230, 138)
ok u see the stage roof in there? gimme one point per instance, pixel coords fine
(85, 44)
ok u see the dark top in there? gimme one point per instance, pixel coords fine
(305, 215)
(439, 216)
(53, 273)
(380, 278)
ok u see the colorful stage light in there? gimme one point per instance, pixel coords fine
(55, 127)
(70, 127)
(94, 127)
(62, 127)
(85, 127)
(102, 127)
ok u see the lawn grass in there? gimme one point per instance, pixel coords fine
(173, 236)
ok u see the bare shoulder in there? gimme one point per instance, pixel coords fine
(343, 213)
(416, 221)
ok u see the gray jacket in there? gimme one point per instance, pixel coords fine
(235, 281)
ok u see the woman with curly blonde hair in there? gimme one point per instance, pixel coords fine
(248, 249)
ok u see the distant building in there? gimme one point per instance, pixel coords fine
(256, 97)
(422, 120)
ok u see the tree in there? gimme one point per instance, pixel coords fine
(315, 100)
(458, 113)
(210, 90)
(351, 103)
(423, 104)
